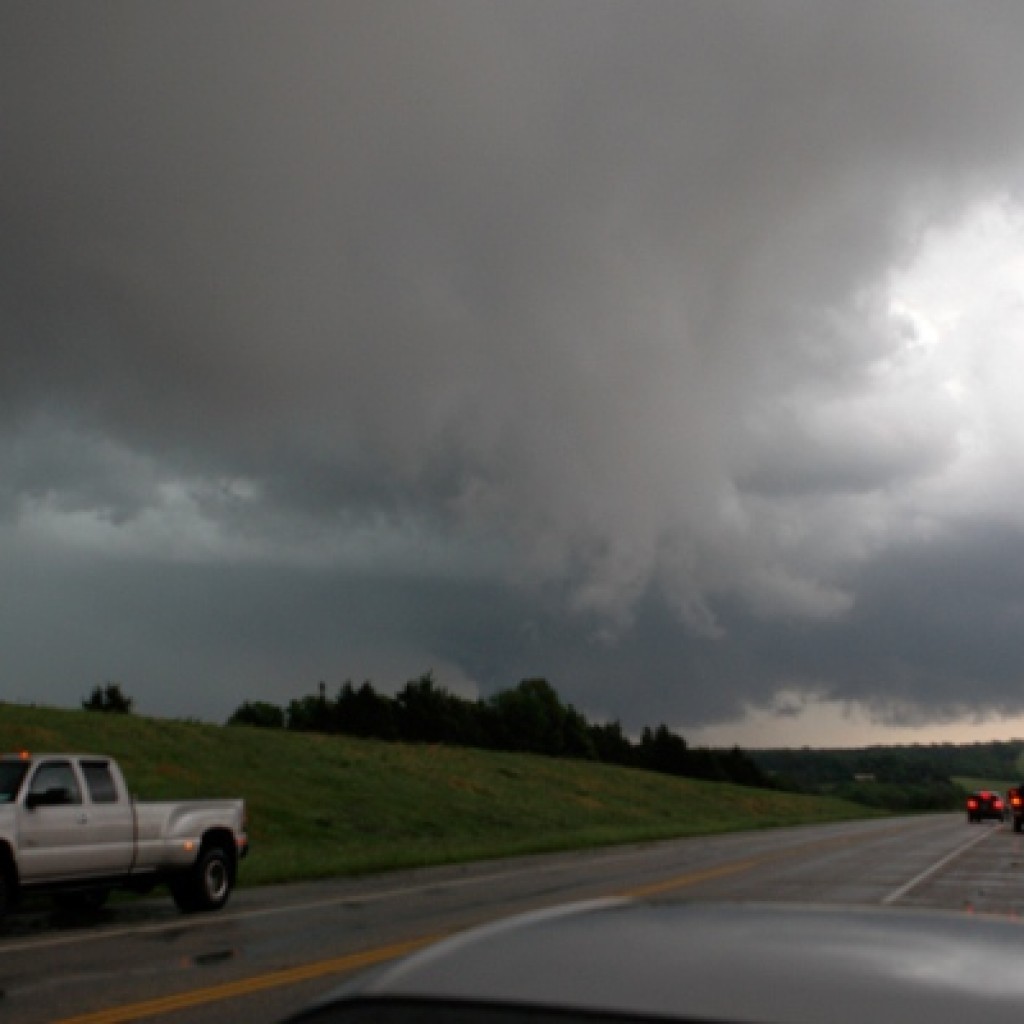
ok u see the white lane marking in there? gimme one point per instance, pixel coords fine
(898, 894)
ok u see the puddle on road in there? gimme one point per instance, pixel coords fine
(211, 959)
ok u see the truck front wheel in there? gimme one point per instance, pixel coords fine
(8, 888)
(207, 885)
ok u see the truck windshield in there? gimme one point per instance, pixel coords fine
(11, 774)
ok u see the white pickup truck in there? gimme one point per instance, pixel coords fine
(68, 824)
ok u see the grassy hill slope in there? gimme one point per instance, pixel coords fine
(322, 806)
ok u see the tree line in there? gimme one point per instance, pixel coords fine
(909, 777)
(529, 718)
(815, 769)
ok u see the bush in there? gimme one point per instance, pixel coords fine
(258, 713)
(108, 698)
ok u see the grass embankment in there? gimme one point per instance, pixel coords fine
(321, 806)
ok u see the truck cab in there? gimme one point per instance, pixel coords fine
(70, 815)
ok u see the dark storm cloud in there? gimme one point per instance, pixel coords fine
(579, 304)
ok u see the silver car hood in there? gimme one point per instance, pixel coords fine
(733, 962)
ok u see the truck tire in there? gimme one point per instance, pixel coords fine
(207, 885)
(8, 888)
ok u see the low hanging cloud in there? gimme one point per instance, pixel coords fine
(628, 345)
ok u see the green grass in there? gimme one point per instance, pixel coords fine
(971, 784)
(323, 806)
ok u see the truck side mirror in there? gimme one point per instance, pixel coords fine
(48, 798)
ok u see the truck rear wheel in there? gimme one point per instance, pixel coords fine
(207, 885)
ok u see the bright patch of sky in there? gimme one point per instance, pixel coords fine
(959, 306)
(810, 722)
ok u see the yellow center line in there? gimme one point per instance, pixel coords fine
(247, 986)
(692, 878)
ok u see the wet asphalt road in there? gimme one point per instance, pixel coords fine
(275, 949)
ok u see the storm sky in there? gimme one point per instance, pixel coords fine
(671, 351)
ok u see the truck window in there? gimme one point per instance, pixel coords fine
(53, 777)
(99, 781)
(11, 774)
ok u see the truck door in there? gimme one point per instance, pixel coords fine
(50, 821)
(111, 819)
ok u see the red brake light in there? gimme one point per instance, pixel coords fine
(972, 802)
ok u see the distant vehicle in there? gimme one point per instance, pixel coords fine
(69, 825)
(613, 962)
(1015, 806)
(984, 805)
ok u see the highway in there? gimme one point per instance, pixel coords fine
(275, 949)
